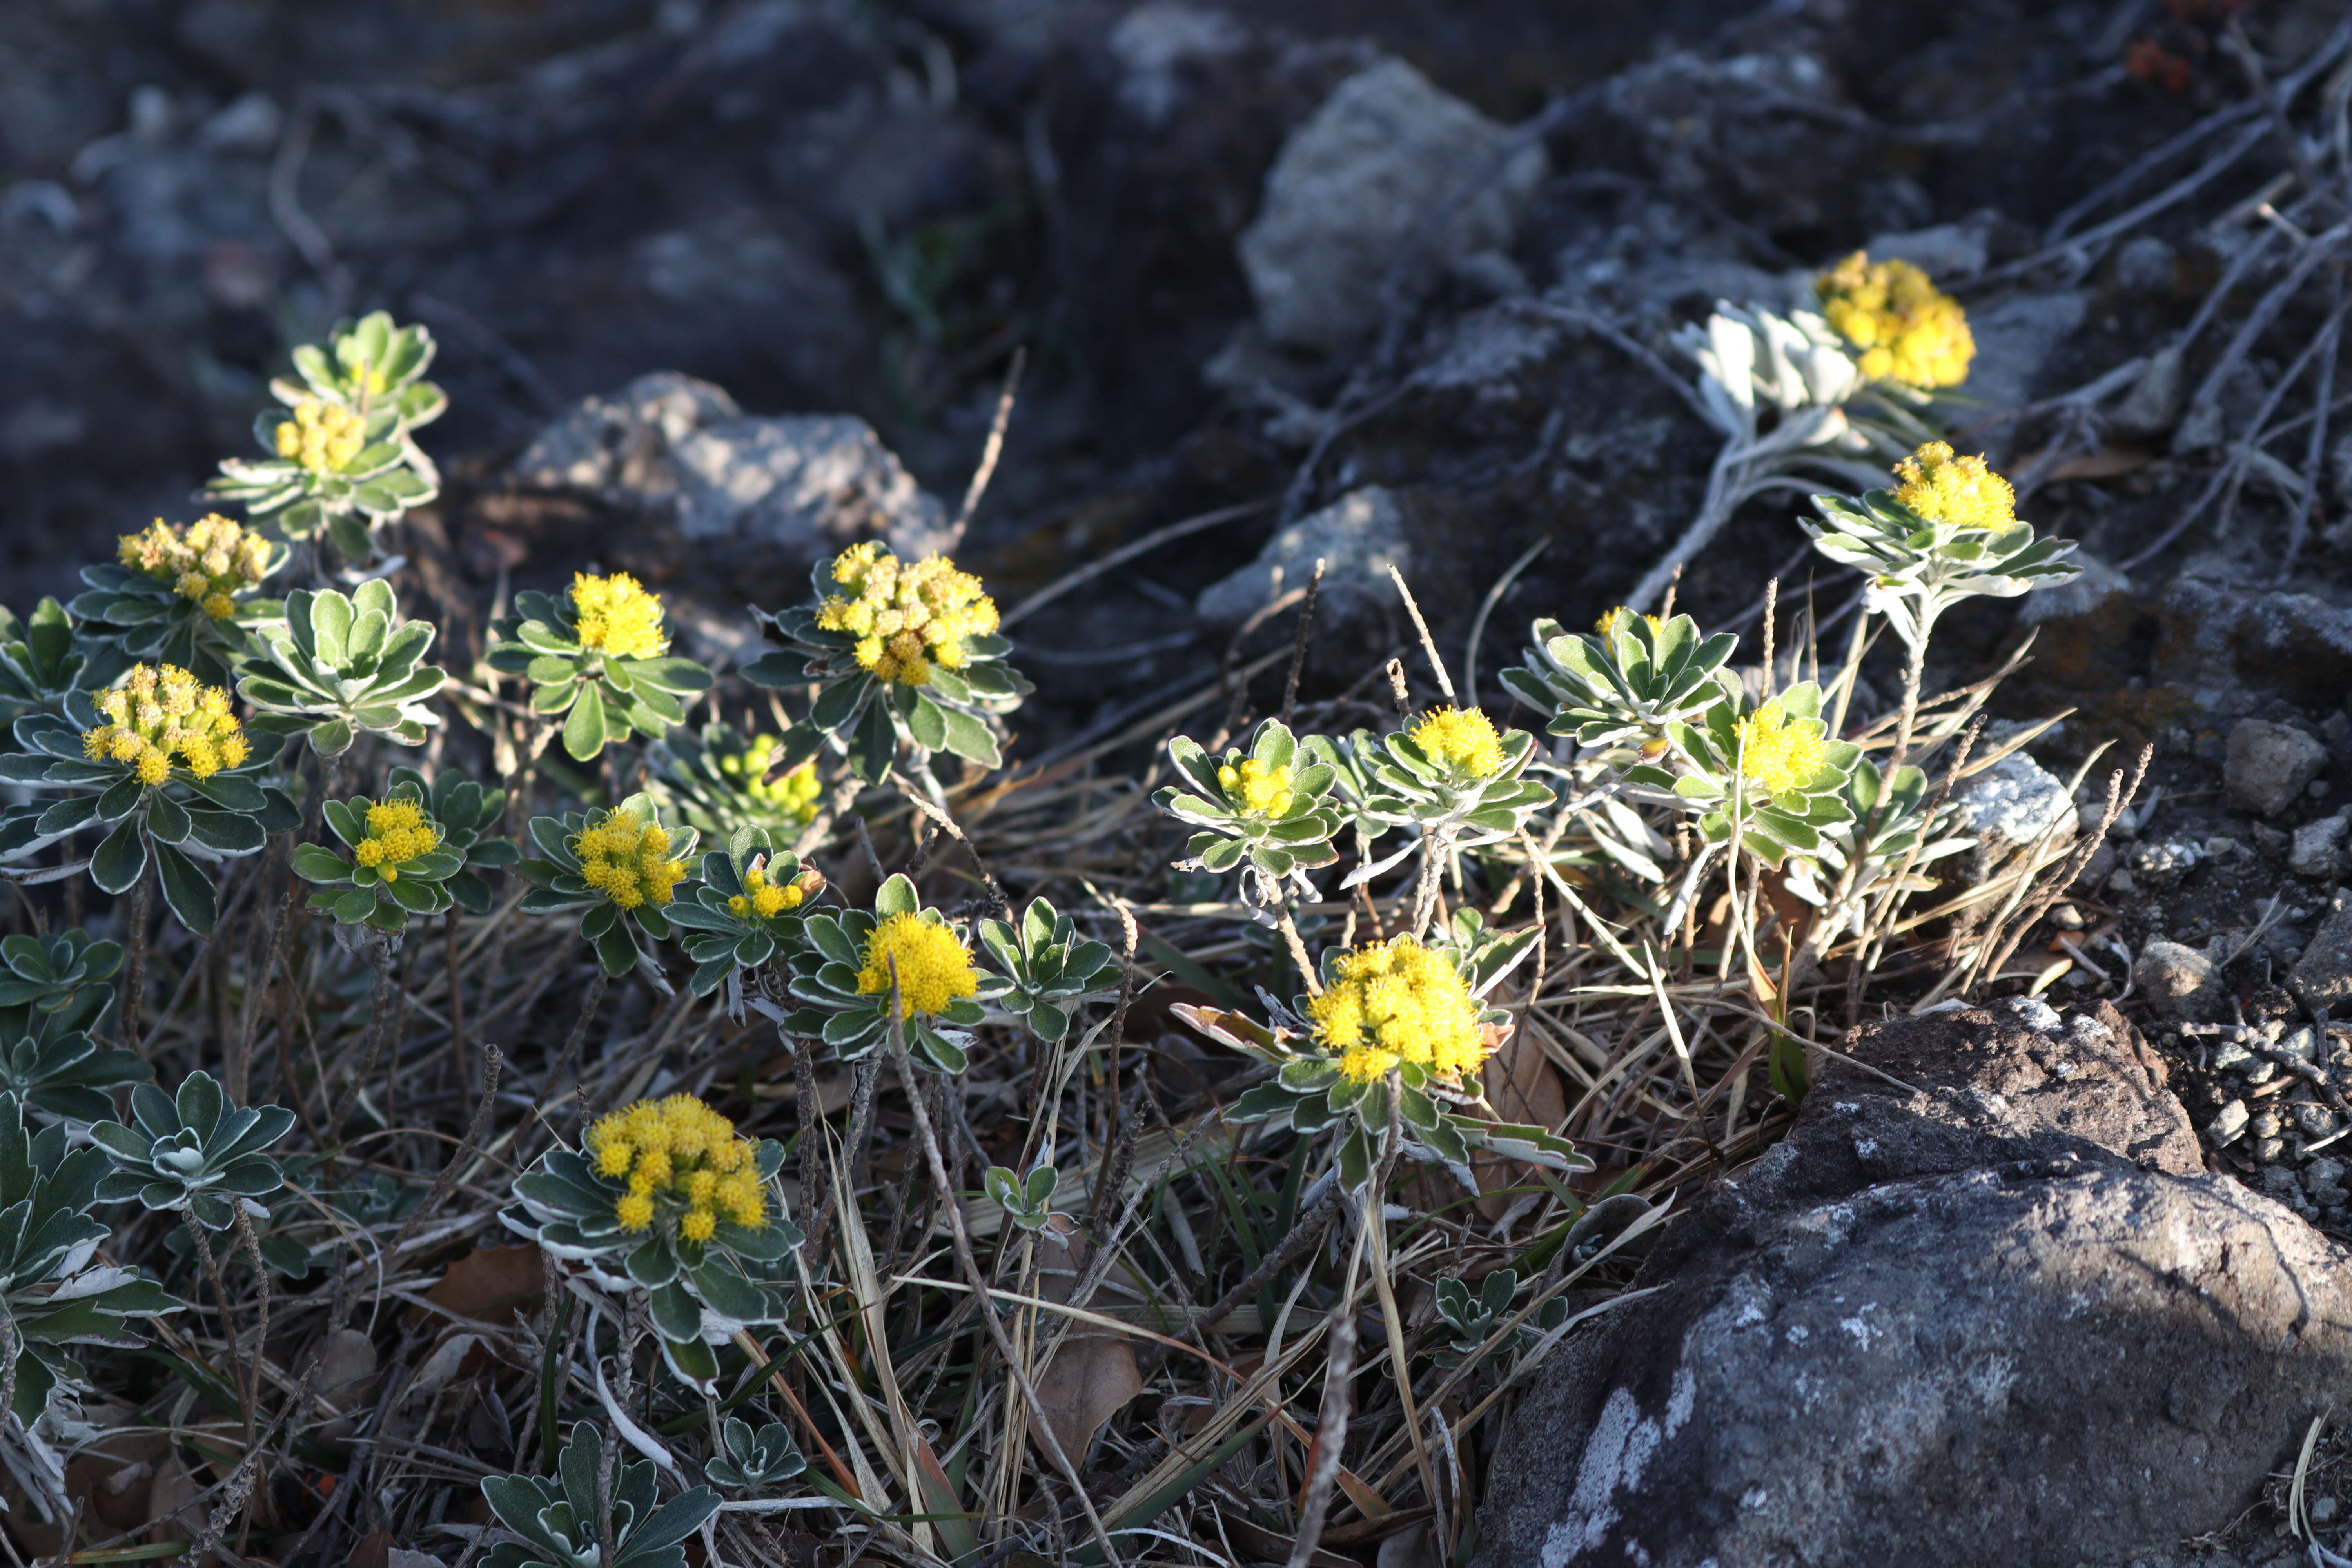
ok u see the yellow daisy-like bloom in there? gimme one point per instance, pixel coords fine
(207, 563)
(1397, 1002)
(321, 437)
(397, 831)
(1612, 619)
(1251, 786)
(906, 618)
(1909, 329)
(933, 967)
(680, 1159)
(616, 616)
(1778, 751)
(628, 861)
(1463, 739)
(161, 715)
(1962, 491)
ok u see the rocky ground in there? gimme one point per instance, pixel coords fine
(718, 285)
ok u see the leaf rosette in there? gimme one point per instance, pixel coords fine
(341, 456)
(397, 866)
(467, 814)
(1450, 777)
(901, 654)
(599, 654)
(754, 1462)
(53, 1290)
(618, 869)
(159, 761)
(744, 912)
(854, 961)
(1394, 1020)
(43, 661)
(567, 1521)
(1769, 772)
(194, 1152)
(1046, 969)
(1471, 1317)
(1623, 680)
(1269, 808)
(338, 668)
(720, 780)
(663, 1198)
(53, 996)
(181, 596)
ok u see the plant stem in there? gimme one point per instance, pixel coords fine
(134, 970)
(568, 1065)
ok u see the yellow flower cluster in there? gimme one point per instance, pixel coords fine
(321, 437)
(1397, 1002)
(627, 861)
(679, 1150)
(906, 618)
(1612, 619)
(1255, 788)
(158, 715)
(794, 794)
(1962, 491)
(1778, 751)
(769, 898)
(933, 967)
(1907, 329)
(1462, 738)
(208, 562)
(397, 831)
(616, 616)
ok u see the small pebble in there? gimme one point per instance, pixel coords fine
(2229, 1057)
(2230, 1122)
(2314, 1119)
(2322, 1510)
(2270, 1150)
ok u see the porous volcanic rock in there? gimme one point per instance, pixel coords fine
(1999, 1317)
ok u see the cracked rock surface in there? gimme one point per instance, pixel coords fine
(2000, 1315)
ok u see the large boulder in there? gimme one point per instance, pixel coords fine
(2000, 1316)
(1353, 189)
(797, 485)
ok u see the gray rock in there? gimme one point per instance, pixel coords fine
(2152, 407)
(2008, 808)
(2322, 977)
(2002, 1318)
(1357, 537)
(803, 485)
(2318, 848)
(2182, 982)
(2015, 339)
(1945, 252)
(2269, 765)
(2078, 595)
(2234, 650)
(1353, 187)
(2229, 1123)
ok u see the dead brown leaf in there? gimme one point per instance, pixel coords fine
(1094, 1373)
(491, 1284)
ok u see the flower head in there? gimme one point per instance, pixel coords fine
(933, 968)
(1252, 787)
(161, 715)
(906, 618)
(1462, 738)
(1908, 330)
(209, 563)
(1397, 1002)
(616, 616)
(794, 794)
(321, 437)
(676, 1157)
(1962, 491)
(766, 897)
(1779, 751)
(627, 861)
(1612, 619)
(397, 832)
